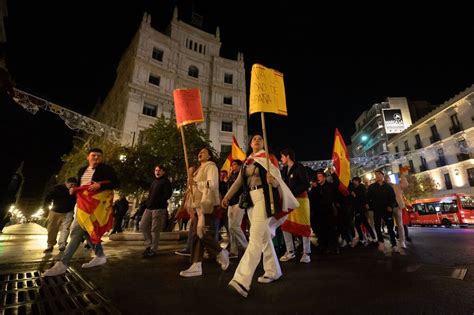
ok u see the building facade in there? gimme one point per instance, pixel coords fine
(373, 132)
(440, 145)
(157, 63)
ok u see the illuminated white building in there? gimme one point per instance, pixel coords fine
(440, 145)
(157, 63)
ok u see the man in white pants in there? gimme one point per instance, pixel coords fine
(397, 212)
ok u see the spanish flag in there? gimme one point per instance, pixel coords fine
(94, 212)
(267, 91)
(340, 160)
(235, 154)
(188, 106)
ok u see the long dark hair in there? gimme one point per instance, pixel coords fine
(249, 148)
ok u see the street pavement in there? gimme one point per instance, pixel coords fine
(434, 277)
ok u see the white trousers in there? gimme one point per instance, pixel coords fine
(237, 236)
(290, 247)
(397, 216)
(260, 242)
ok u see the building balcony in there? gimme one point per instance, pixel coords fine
(463, 156)
(423, 168)
(455, 129)
(441, 162)
(418, 146)
(434, 138)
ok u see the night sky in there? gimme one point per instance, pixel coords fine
(337, 61)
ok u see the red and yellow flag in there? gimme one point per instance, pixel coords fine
(94, 212)
(340, 160)
(236, 153)
(267, 91)
(188, 106)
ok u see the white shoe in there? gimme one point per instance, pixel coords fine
(288, 256)
(305, 259)
(381, 247)
(223, 259)
(395, 249)
(194, 271)
(354, 243)
(58, 269)
(344, 243)
(265, 279)
(403, 245)
(96, 261)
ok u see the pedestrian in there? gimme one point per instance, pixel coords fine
(255, 179)
(95, 178)
(235, 214)
(120, 208)
(156, 213)
(298, 224)
(61, 214)
(382, 201)
(398, 211)
(358, 200)
(204, 184)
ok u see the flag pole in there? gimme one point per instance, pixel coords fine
(265, 148)
(181, 128)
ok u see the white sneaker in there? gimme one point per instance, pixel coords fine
(403, 245)
(395, 249)
(354, 243)
(305, 259)
(223, 259)
(288, 256)
(381, 247)
(96, 261)
(58, 269)
(238, 288)
(194, 271)
(343, 243)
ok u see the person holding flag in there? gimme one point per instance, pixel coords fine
(256, 178)
(94, 215)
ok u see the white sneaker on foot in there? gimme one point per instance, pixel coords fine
(288, 256)
(354, 243)
(223, 259)
(403, 245)
(381, 247)
(96, 261)
(239, 288)
(58, 269)
(305, 259)
(265, 279)
(194, 271)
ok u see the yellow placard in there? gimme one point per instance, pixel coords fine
(267, 91)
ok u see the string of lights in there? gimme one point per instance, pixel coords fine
(73, 120)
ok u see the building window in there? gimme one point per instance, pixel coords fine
(228, 78)
(193, 71)
(447, 181)
(155, 80)
(434, 134)
(470, 176)
(228, 100)
(195, 48)
(226, 148)
(141, 137)
(149, 110)
(157, 54)
(454, 120)
(200, 48)
(226, 126)
(397, 149)
(407, 148)
(418, 144)
(412, 167)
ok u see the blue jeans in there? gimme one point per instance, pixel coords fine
(77, 236)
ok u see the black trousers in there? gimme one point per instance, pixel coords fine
(388, 219)
(208, 241)
(361, 218)
(324, 225)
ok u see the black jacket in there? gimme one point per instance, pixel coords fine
(120, 207)
(160, 192)
(297, 178)
(359, 201)
(62, 200)
(323, 197)
(235, 199)
(380, 197)
(102, 173)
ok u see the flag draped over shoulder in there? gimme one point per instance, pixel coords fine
(236, 153)
(340, 160)
(267, 91)
(188, 106)
(94, 211)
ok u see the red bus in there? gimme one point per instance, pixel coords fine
(446, 210)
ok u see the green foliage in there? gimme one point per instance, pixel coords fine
(419, 186)
(161, 145)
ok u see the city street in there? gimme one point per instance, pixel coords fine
(435, 277)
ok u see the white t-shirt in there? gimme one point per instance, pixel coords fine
(87, 176)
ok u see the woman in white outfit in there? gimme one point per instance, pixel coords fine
(255, 178)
